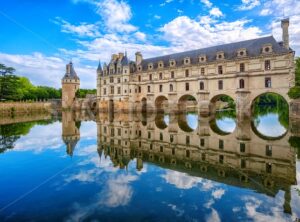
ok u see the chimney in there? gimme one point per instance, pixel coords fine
(68, 68)
(138, 58)
(121, 55)
(285, 32)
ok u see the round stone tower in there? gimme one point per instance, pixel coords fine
(70, 84)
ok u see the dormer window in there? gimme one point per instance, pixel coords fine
(139, 68)
(242, 52)
(186, 61)
(220, 55)
(202, 58)
(150, 66)
(172, 63)
(267, 48)
(160, 64)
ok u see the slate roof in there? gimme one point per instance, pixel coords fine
(99, 69)
(72, 74)
(253, 48)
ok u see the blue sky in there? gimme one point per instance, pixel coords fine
(39, 37)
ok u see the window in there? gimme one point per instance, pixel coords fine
(220, 84)
(220, 69)
(119, 132)
(125, 71)
(173, 151)
(267, 65)
(160, 88)
(119, 70)
(186, 73)
(242, 147)
(140, 89)
(171, 138)
(268, 150)
(269, 167)
(268, 82)
(187, 153)
(221, 159)
(112, 90)
(149, 89)
(202, 142)
(243, 163)
(202, 71)
(160, 75)
(171, 88)
(125, 80)
(151, 146)
(149, 135)
(161, 137)
(111, 79)
(187, 140)
(161, 149)
(104, 82)
(104, 91)
(203, 157)
(221, 144)
(187, 86)
(119, 90)
(201, 85)
(242, 84)
(150, 77)
(172, 74)
(139, 78)
(119, 80)
(242, 67)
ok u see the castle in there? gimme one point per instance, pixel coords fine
(241, 70)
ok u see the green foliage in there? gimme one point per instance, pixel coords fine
(294, 92)
(228, 100)
(14, 88)
(81, 93)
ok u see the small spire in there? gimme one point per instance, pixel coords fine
(99, 66)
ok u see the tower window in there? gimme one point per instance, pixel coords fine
(220, 69)
(172, 74)
(220, 84)
(242, 67)
(202, 71)
(160, 76)
(150, 77)
(139, 78)
(186, 73)
(267, 65)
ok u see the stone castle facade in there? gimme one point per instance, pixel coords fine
(241, 70)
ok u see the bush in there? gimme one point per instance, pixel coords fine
(294, 92)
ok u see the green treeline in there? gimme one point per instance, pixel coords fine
(16, 88)
(294, 92)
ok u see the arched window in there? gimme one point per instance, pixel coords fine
(171, 88)
(242, 84)
(201, 85)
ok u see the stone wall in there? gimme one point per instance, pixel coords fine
(16, 108)
(295, 108)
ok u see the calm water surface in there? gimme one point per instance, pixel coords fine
(159, 168)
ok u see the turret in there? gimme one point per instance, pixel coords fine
(70, 132)
(99, 69)
(70, 85)
(285, 32)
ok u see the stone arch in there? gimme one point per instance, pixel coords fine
(161, 103)
(160, 121)
(213, 102)
(184, 124)
(187, 102)
(285, 97)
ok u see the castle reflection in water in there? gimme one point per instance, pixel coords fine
(232, 151)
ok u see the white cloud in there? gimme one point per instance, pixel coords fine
(217, 194)
(116, 15)
(213, 217)
(207, 3)
(186, 33)
(140, 36)
(248, 4)
(281, 8)
(181, 180)
(216, 12)
(81, 30)
(157, 17)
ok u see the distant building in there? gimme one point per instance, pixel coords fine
(242, 70)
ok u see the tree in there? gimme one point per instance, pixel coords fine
(294, 92)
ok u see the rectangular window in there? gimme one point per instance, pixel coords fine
(151, 146)
(160, 88)
(140, 89)
(112, 132)
(268, 167)
(242, 67)
(268, 82)
(149, 89)
(267, 65)
(104, 82)
(220, 84)
(171, 138)
(187, 153)
(268, 150)
(202, 71)
(202, 142)
(221, 159)
(173, 151)
(243, 163)
(221, 144)
(119, 90)
(119, 80)
(242, 147)
(172, 74)
(220, 69)
(203, 157)
(150, 77)
(161, 137)
(201, 85)
(139, 78)
(187, 140)
(187, 73)
(104, 91)
(112, 90)
(149, 135)
(161, 149)
(187, 86)
(119, 132)
(111, 79)
(160, 76)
